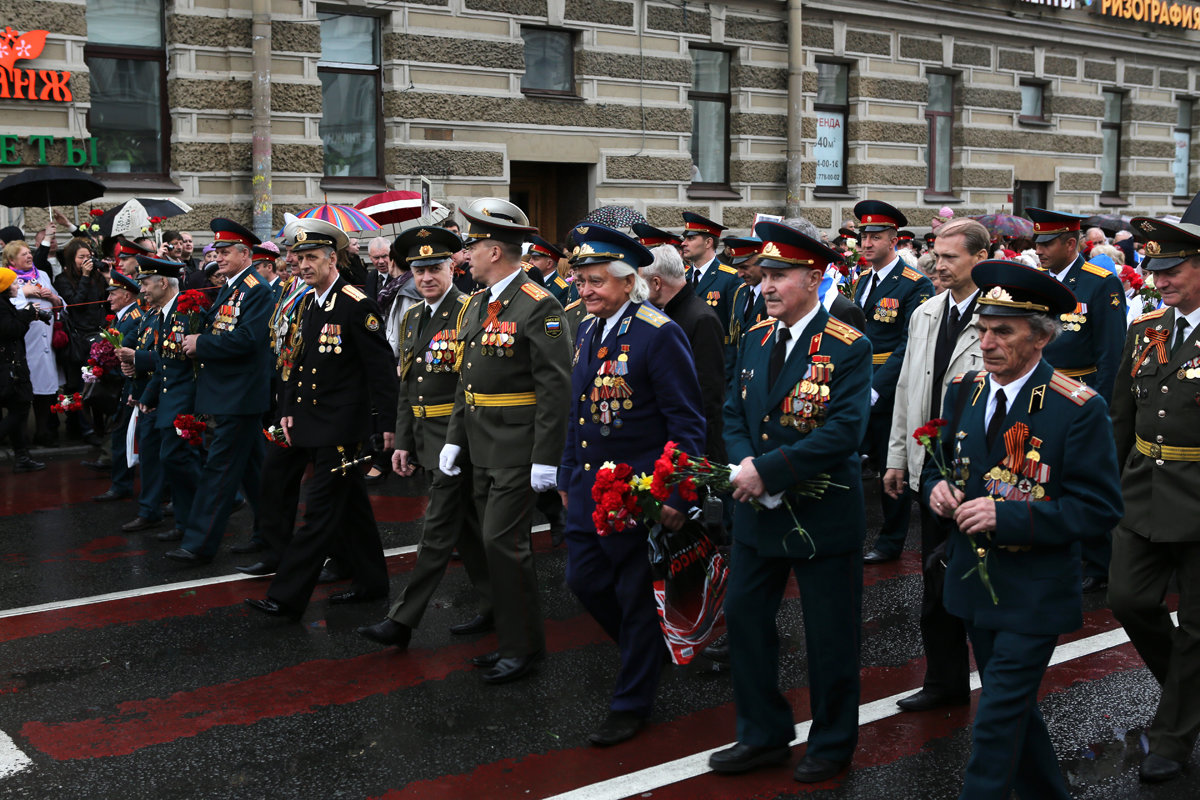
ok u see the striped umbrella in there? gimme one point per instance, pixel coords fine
(396, 206)
(348, 218)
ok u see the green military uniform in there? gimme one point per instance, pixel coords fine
(575, 313)
(1156, 420)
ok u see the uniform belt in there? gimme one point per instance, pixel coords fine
(880, 358)
(443, 410)
(1078, 373)
(1164, 452)
(513, 399)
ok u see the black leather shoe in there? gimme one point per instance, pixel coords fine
(140, 524)
(487, 660)
(557, 532)
(380, 478)
(510, 669)
(388, 632)
(354, 596)
(1093, 583)
(743, 758)
(258, 568)
(815, 770)
(1159, 769)
(249, 547)
(271, 608)
(331, 576)
(186, 557)
(618, 727)
(98, 466)
(480, 624)
(27, 464)
(109, 496)
(168, 509)
(876, 557)
(927, 701)
(718, 651)
(173, 535)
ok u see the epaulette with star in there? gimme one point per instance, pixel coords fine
(653, 316)
(559, 282)
(1078, 393)
(1098, 271)
(135, 314)
(769, 321)
(572, 304)
(841, 331)
(250, 281)
(534, 291)
(1150, 316)
(353, 293)
(911, 274)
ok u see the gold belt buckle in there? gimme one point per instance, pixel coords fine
(418, 411)
(470, 398)
(1155, 451)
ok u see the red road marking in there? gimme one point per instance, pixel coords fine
(398, 509)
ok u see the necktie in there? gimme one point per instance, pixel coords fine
(954, 319)
(493, 313)
(694, 276)
(870, 288)
(1181, 325)
(997, 420)
(425, 317)
(778, 356)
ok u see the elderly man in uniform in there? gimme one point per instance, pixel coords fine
(1156, 419)
(510, 412)
(1089, 347)
(623, 337)
(543, 257)
(942, 343)
(1032, 471)
(428, 379)
(341, 391)
(122, 300)
(888, 294)
(232, 389)
(796, 412)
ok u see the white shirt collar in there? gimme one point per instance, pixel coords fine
(121, 314)
(704, 269)
(320, 298)
(609, 322)
(1011, 390)
(1061, 277)
(797, 330)
(433, 307)
(239, 275)
(166, 309)
(1192, 318)
(499, 286)
(883, 273)
(963, 306)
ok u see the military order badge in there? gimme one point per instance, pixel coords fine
(372, 323)
(554, 326)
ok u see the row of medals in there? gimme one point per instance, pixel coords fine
(173, 343)
(500, 341)
(885, 313)
(330, 340)
(1072, 322)
(1021, 482)
(807, 407)
(441, 354)
(1189, 371)
(226, 318)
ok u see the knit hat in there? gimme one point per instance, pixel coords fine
(7, 276)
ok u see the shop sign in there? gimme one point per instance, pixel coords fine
(29, 84)
(80, 152)
(1159, 12)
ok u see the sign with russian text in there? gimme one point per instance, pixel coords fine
(29, 84)
(1160, 12)
(829, 149)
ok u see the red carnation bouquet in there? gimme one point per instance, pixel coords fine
(930, 437)
(275, 436)
(190, 429)
(65, 402)
(102, 360)
(193, 304)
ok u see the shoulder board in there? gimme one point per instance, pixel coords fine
(250, 281)
(410, 310)
(478, 291)
(586, 318)
(841, 331)
(911, 274)
(572, 304)
(727, 268)
(135, 314)
(534, 291)
(1097, 270)
(463, 299)
(656, 318)
(1078, 393)
(559, 282)
(1150, 316)
(766, 323)
(353, 293)
(960, 377)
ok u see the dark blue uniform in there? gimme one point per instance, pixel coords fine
(611, 575)
(749, 309)
(149, 436)
(233, 389)
(1068, 493)
(122, 473)
(1089, 347)
(717, 288)
(791, 442)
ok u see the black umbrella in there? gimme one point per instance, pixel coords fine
(49, 186)
(1109, 223)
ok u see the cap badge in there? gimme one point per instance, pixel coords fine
(1153, 248)
(770, 250)
(426, 250)
(1146, 225)
(423, 234)
(301, 236)
(998, 293)
(582, 230)
(486, 212)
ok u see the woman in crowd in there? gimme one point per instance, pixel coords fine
(34, 288)
(16, 393)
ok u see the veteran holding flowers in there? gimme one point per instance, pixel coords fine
(1026, 467)
(633, 389)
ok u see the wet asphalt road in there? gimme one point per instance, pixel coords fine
(185, 693)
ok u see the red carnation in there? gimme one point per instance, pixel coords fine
(95, 212)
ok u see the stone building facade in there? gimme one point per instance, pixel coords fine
(451, 105)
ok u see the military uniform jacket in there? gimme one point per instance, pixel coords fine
(128, 327)
(740, 321)
(705, 337)
(1156, 409)
(553, 283)
(1092, 334)
(171, 389)
(574, 312)
(529, 362)
(428, 378)
(717, 288)
(810, 422)
(888, 310)
(1053, 472)
(630, 394)
(342, 387)
(233, 350)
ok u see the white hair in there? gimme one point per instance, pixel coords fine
(667, 265)
(640, 291)
(379, 241)
(173, 283)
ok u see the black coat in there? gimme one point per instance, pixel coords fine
(86, 298)
(706, 335)
(14, 370)
(847, 311)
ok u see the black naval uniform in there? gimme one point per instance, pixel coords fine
(342, 390)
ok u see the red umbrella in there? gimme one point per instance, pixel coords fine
(396, 206)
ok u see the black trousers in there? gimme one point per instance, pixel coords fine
(896, 511)
(943, 635)
(16, 414)
(279, 498)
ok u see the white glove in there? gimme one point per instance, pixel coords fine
(446, 459)
(767, 501)
(874, 398)
(543, 478)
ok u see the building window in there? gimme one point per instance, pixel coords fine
(1181, 167)
(1033, 101)
(832, 110)
(127, 70)
(710, 101)
(939, 113)
(1110, 131)
(351, 124)
(1029, 194)
(549, 62)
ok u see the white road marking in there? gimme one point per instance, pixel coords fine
(12, 760)
(58, 605)
(681, 769)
